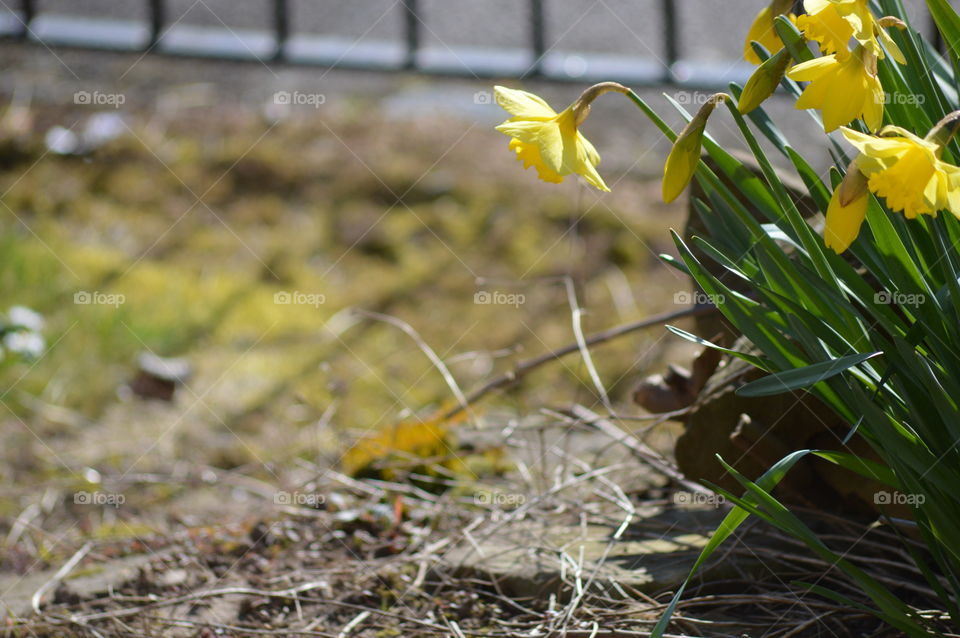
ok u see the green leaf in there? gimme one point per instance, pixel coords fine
(863, 467)
(728, 526)
(802, 377)
(891, 609)
(749, 358)
(948, 23)
(793, 39)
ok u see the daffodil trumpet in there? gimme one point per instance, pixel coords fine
(550, 141)
(682, 161)
(831, 23)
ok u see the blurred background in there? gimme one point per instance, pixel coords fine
(199, 195)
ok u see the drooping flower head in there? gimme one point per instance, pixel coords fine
(831, 23)
(763, 31)
(551, 141)
(843, 88)
(907, 172)
(904, 170)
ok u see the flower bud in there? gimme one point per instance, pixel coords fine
(764, 81)
(685, 154)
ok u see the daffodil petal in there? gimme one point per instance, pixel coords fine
(953, 189)
(844, 222)
(815, 6)
(892, 47)
(813, 69)
(521, 103)
(873, 108)
(931, 190)
(762, 31)
(874, 147)
(589, 149)
(587, 168)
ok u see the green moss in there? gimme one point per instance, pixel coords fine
(293, 211)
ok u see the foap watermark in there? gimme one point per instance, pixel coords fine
(499, 499)
(97, 298)
(692, 98)
(699, 498)
(483, 97)
(915, 99)
(299, 499)
(887, 298)
(298, 298)
(299, 98)
(697, 298)
(99, 98)
(113, 499)
(498, 298)
(898, 498)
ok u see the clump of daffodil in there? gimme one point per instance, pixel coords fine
(904, 170)
(685, 155)
(763, 31)
(551, 141)
(843, 88)
(831, 23)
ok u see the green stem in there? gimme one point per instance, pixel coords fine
(650, 113)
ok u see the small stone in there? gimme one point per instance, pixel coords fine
(159, 377)
(173, 578)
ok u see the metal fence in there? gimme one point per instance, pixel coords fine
(275, 42)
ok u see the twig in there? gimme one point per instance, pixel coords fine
(350, 626)
(796, 631)
(522, 368)
(639, 448)
(67, 567)
(288, 594)
(575, 313)
(21, 524)
(464, 405)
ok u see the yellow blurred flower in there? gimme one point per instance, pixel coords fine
(842, 88)
(831, 23)
(763, 31)
(550, 141)
(907, 172)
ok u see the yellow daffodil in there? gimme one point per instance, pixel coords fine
(847, 210)
(763, 31)
(842, 88)
(550, 141)
(907, 172)
(831, 23)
